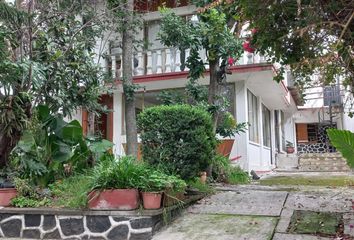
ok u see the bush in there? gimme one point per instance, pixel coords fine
(178, 138)
(223, 171)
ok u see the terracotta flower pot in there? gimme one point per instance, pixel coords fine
(119, 199)
(152, 200)
(6, 194)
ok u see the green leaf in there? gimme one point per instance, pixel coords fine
(72, 132)
(27, 142)
(343, 140)
(100, 146)
(43, 112)
(63, 152)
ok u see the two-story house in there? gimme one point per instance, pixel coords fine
(255, 97)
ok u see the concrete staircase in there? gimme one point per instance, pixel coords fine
(323, 162)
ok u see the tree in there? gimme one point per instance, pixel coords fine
(312, 37)
(213, 32)
(126, 24)
(45, 58)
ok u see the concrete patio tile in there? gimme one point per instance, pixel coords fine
(320, 201)
(284, 236)
(219, 227)
(260, 203)
(284, 220)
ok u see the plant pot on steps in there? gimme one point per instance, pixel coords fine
(118, 199)
(152, 200)
(6, 194)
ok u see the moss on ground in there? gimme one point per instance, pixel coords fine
(319, 223)
(331, 181)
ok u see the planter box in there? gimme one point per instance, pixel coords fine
(6, 194)
(152, 200)
(117, 199)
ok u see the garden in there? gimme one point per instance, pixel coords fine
(55, 165)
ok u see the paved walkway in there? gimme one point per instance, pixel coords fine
(258, 213)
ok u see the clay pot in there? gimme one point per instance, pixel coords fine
(152, 200)
(290, 149)
(118, 199)
(6, 194)
(203, 177)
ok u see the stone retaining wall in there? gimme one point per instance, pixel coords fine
(37, 226)
(84, 225)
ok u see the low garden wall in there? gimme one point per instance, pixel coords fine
(76, 224)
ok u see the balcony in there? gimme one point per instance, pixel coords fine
(167, 60)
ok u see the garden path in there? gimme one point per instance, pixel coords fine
(255, 212)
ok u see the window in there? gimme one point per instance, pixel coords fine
(307, 133)
(266, 126)
(252, 104)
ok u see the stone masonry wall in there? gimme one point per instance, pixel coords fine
(95, 227)
(321, 146)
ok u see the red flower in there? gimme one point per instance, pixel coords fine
(247, 47)
(230, 61)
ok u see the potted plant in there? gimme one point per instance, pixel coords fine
(114, 184)
(289, 147)
(153, 183)
(174, 191)
(7, 189)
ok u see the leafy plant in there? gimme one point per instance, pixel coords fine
(343, 141)
(122, 173)
(153, 181)
(289, 144)
(49, 144)
(28, 195)
(223, 171)
(178, 138)
(23, 202)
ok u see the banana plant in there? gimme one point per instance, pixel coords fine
(343, 141)
(51, 144)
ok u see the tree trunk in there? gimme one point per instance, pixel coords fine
(130, 118)
(6, 146)
(214, 89)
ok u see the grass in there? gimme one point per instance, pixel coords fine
(71, 192)
(330, 181)
(319, 223)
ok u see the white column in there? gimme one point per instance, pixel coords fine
(114, 66)
(140, 70)
(158, 62)
(178, 61)
(121, 66)
(168, 60)
(241, 140)
(272, 136)
(149, 63)
(117, 123)
(185, 61)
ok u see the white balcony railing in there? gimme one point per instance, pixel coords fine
(167, 60)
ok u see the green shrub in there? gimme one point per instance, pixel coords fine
(223, 171)
(195, 183)
(178, 138)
